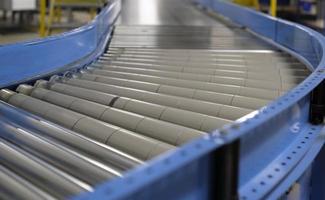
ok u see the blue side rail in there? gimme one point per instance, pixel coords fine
(262, 157)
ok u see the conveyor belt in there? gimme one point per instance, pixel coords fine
(156, 88)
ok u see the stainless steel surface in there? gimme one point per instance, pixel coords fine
(77, 142)
(127, 120)
(214, 97)
(172, 73)
(127, 141)
(173, 115)
(63, 158)
(44, 176)
(14, 187)
(203, 107)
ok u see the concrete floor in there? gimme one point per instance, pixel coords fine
(13, 32)
(17, 30)
(140, 12)
(17, 37)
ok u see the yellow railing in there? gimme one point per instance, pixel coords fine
(55, 12)
(273, 7)
(42, 20)
(248, 3)
(255, 4)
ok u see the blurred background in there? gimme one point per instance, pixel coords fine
(307, 12)
(29, 19)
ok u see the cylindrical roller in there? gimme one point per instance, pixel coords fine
(222, 63)
(268, 60)
(164, 57)
(58, 155)
(152, 87)
(182, 117)
(220, 98)
(264, 54)
(213, 87)
(203, 53)
(195, 73)
(206, 60)
(84, 145)
(203, 107)
(13, 187)
(134, 144)
(188, 74)
(39, 173)
(163, 131)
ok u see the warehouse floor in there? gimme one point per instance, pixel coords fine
(12, 31)
(17, 37)
(145, 14)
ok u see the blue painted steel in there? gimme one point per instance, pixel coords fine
(24, 61)
(318, 179)
(258, 22)
(277, 142)
(302, 167)
(305, 41)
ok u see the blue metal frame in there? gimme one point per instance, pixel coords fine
(277, 143)
(318, 179)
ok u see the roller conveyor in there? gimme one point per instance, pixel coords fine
(14, 187)
(155, 89)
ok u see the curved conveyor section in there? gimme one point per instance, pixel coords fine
(156, 88)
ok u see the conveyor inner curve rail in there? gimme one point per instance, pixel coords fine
(156, 88)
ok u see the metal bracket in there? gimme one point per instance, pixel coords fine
(317, 104)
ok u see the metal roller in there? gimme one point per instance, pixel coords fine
(219, 98)
(77, 142)
(205, 78)
(235, 43)
(81, 167)
(215, 66)
(203, 55)
(13, 187)
(160, 130)
(209, 108)
(207, 62)
(203, 122)
(212, 87)
(195, 62)
(263, 53)
(271, 58)
(211, 63)
(177, 116)
(134, 144)
(50, 179)
(248, 79)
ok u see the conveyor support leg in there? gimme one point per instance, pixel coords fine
(317, 104)
(224, 177)
(273, 8)
(42, 18)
